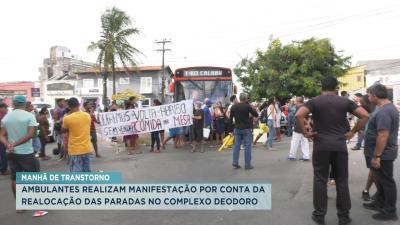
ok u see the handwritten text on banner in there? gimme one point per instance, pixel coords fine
(144, 120)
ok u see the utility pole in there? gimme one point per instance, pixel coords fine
(163, 50)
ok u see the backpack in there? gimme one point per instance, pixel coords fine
(264, 116)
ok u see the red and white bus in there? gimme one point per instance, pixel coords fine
(202, 82)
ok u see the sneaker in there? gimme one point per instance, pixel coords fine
(332, 182)
(385, 216)
(304, 159)
(236, 167)
(372, 206)
(344, 220)
(291, 159)
(319, 221)
(249, 168)
(365, 196)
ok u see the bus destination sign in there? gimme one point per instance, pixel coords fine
(203, 73)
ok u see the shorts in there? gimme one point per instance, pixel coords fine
(173, 132)
(132, 137)
(179, 130)
(79, 163)
(368, 161)
(198, 134)
(93, 136)
(220, 125)
(263, 128)
(22, 163)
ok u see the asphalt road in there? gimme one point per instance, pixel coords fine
(291, 188)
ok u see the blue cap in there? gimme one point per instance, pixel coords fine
(19, 100)
(209, 102)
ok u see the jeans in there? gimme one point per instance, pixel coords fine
(155, 138)
(339, 162)
(360, 138)
(386, 196)
(3, 158)
(290, 125)
(79, 163)
(36, 144)
(271, 134)
(245, 136)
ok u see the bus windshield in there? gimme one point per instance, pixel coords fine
(216, 90)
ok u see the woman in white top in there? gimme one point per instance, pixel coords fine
(278, 116)
(271, 112)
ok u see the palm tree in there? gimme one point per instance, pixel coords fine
(114, 47)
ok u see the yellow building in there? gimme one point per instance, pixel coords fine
(354, 79)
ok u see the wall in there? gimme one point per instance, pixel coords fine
(133, 82)
(58, 89)
(354, 79)
(9, 90)
(385, 79)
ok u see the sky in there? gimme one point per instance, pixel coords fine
(202, 33)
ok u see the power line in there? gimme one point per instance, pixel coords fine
(163, 50)
(323, 24)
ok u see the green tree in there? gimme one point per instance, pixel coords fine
(293, 69)
(114, 47)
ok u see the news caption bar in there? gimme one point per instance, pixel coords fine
(106, 191)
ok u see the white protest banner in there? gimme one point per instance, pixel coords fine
(144, 120)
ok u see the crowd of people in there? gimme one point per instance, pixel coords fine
(25, 131)
(75, 142)
(325, 120)
(329, 121)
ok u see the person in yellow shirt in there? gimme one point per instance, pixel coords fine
(77, 124)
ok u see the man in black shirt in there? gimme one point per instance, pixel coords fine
(243, 130)
(329, 133)
(381, 148)
(198, 124)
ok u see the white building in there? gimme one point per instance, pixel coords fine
(62, 65)
(386, 72)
